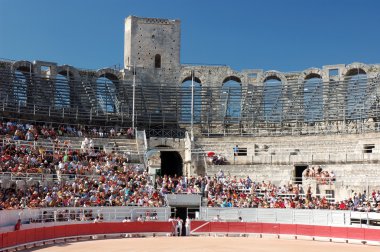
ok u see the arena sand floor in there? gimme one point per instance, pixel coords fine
(182, 244)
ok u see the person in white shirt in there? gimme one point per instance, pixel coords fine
(217, 218)
(187, 226)
(179, 226)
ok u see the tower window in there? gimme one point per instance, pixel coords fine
(157, 61)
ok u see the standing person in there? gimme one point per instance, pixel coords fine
(236, 150)
(18, 225)
(187, 226)
(179, 226)
(217, 218)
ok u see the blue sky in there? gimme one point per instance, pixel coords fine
(284, 35)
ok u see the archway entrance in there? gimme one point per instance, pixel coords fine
(171, 163)
(298, 170)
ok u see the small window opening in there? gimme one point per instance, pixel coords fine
(368, 148)
(239, 151)
(45, 70)
(333, 72)
(252, 75)
(157, 61)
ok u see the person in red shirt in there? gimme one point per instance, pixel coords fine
(18, 225)
(342, 206)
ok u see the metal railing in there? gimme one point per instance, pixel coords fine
(350, 105)
(291, 216)
(60, 216)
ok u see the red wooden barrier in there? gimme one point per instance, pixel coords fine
(5, 240)
(236, 227)
(307, 230)
(371, 234)
(254, 228)
(39, 234)
(87, 229)
(219, 227)
(288, 229)
(72, 230)
(339, 232)
(30, 235)
(10, 239)
(356, 233)
(19, 237)
(200, 226)
(60, 231)
(270, 228)
(322, 231)
(48, 233)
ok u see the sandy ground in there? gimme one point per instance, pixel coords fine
(182, 244)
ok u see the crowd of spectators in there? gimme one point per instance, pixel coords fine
(30, 158)
(97, 178)
(323, 177)
(125, 186)
(32, 132)
(227, 191)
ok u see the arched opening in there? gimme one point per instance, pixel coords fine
(171, 162)
(356, 107)
(231, 99)
(272, 102)
(62, 91)
(186, 100)
(106, 94)
(20, 86)
(157, 61)
(313, 98)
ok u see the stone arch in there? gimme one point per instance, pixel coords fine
(72, 71)
(312, 73)
(273, 95)
(354, 69)
(355, 81)
(188, 78)
(199, 76)
(23, 66)
(109, 73)
(272, 74)
(232, 78)
(66, 88)
(311, 88)
(231, 95)
(185, 108)
(21, 90)
(107, 89)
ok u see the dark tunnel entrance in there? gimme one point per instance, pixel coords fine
(171, 163)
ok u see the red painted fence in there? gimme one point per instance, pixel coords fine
(11, 239)
(363, 234)
(16, 238)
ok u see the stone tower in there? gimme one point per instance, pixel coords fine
(152, 43)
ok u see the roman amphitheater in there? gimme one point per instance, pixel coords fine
(317, 130)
